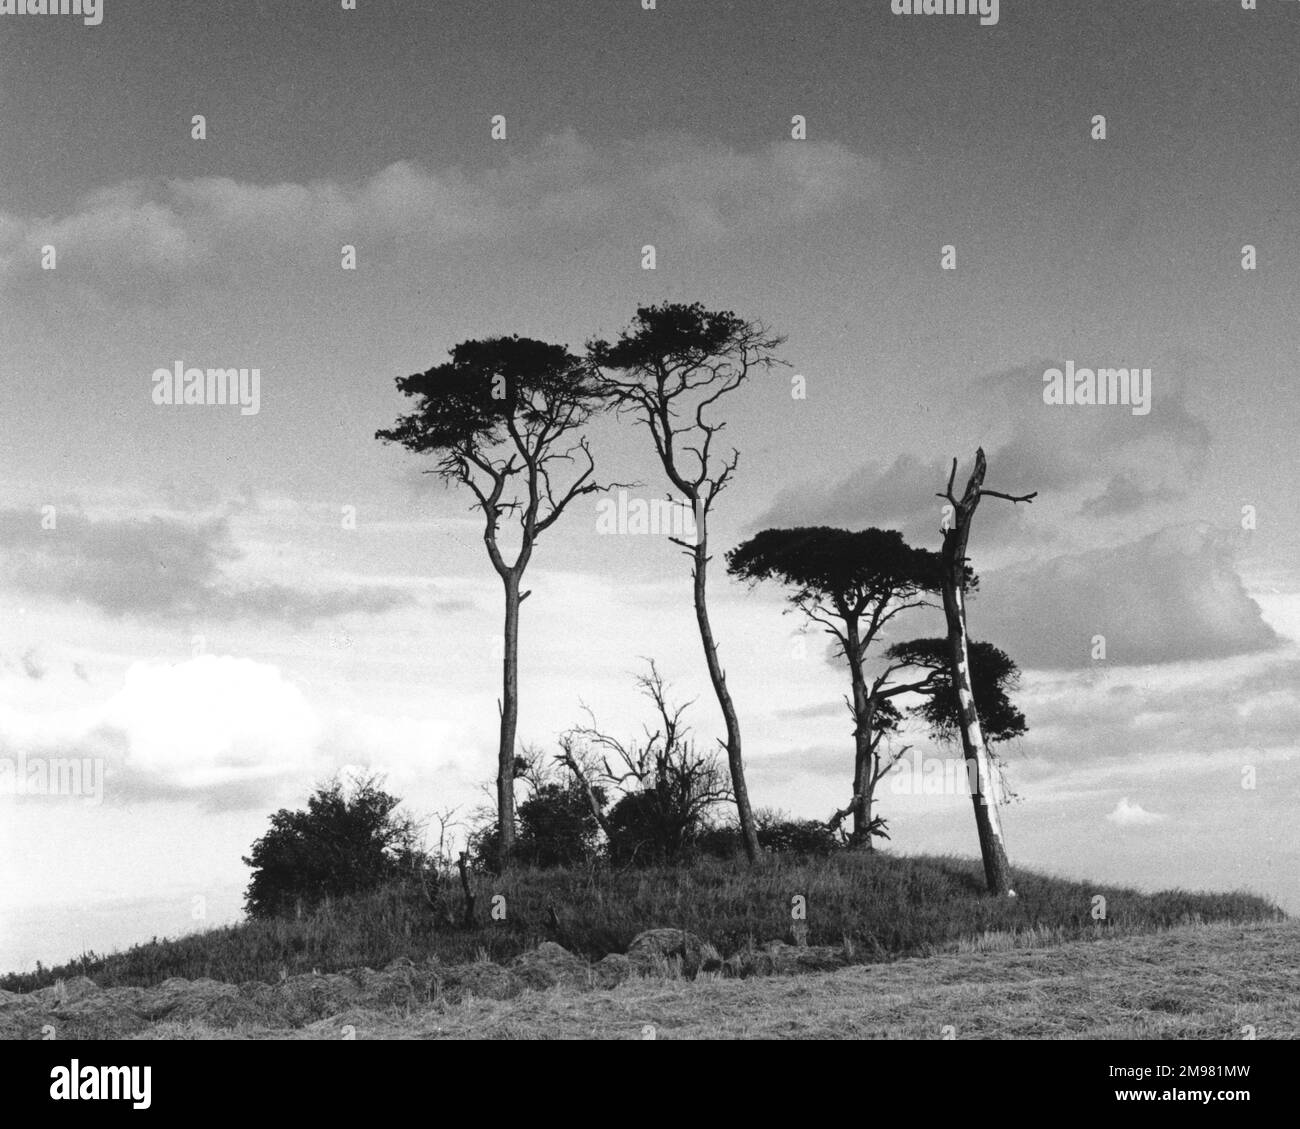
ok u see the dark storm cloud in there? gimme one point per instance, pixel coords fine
(1142, 459)
(1172, 596)
(901, 495)
(873, 494)
(1062, 447)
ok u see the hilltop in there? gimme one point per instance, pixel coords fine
(847, 909)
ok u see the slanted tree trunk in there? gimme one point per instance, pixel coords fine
(675, 362)
(979, 763)
(509, 720)
(748, 830)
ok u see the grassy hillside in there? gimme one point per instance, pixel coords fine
(879, 907)
(1194, 982)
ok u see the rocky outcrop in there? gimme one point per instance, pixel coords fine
(658, 949)
(612, 970)
(483, 980)
(79, 1008)
(777, 958)
(550, 965)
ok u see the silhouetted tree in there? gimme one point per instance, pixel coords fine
(501, 417)
(993, 673)
(988, 823)
(852, 584)
(670, 369)
(349, 839)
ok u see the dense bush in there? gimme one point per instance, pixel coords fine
(720, 841)
(645, 830)
(347, 841)
(798, 837)
(556, 827)
(640, 833)
(777, 834)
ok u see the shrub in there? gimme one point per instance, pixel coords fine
(721, 841)
(807, 837)
(347, 841)
(638, 832)
(556, 827)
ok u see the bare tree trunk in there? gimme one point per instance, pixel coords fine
(463, 865)
(509, 723)
(863, 769)
(864, 789)
(979, 764)
(748, 830)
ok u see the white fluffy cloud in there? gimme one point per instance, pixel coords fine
(229, 734)
(1130, 814)
(227, 731)
(210, 721)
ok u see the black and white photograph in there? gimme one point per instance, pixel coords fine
(649, 520)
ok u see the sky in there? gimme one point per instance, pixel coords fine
(215, 609)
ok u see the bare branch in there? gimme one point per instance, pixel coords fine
(1009, 497)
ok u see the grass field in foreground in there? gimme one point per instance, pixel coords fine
(1193, 982)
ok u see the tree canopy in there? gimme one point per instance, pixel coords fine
(501, 408)
(492, 390)
(848, 569)
(993, 675)
(670, 368)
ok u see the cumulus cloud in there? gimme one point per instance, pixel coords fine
(1172, 596)
(1125, 496)
(1169, 596)
(1138, 461)
(166, 228)
(224, 731)
(1060, 448)
(161, 567)
(899, 495)
(220, 726)
(1128, 814)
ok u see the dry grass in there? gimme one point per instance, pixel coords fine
(1191, 982)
